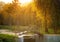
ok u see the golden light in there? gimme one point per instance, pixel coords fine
(6, 1)
(24, 2)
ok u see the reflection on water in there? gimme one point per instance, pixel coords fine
(28, 38)
(46, 38)
(21, 39)
(52, 38)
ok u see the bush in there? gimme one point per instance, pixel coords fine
(7, 38)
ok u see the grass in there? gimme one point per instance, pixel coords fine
(7, 38)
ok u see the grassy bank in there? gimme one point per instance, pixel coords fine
(7, 38)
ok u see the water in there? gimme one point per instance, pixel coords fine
(52, 38)
(26, 38)
(46, 38)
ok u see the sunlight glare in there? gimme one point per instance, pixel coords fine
(25, 1)
(6, 1)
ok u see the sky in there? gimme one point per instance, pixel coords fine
(21, 1)
(6, 1)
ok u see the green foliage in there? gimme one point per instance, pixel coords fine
(7, 38)
(5, 27)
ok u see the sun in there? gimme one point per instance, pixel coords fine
(6, 1)
(22, 2)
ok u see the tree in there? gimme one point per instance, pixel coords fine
(1, 8)
(50, 9)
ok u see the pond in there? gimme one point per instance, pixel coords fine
(35, 38)
(52, 38)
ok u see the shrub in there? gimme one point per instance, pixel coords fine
(7, 38)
